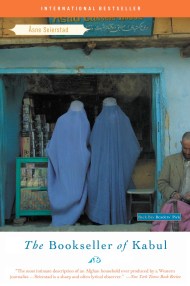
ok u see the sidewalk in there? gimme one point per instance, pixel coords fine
(43, 224)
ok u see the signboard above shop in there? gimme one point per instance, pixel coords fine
(107, 27)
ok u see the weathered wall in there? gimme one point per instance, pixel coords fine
(176, 86)
(176, 72)
(161, 25)
(163, 28)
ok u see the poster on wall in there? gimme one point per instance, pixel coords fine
(88, 93)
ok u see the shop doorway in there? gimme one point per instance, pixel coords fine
(138, 94)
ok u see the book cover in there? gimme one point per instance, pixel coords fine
(55, 52)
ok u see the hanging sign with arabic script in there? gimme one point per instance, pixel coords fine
(108, 27)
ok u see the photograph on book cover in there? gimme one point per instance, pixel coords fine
(121, 188)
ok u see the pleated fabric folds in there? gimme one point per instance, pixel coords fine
(68, 162)
(114, 152)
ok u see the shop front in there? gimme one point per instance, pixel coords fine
(150, 84)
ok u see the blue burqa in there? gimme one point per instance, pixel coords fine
(114, 152)
(68, 163)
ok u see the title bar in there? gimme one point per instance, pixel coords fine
(94, 8)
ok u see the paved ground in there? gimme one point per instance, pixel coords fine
(44, 224)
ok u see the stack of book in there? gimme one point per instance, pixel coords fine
(27, 126)
(35, 132)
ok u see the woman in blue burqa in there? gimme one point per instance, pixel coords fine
(114, 152)
(68, 161)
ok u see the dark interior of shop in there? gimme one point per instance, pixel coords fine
(133, 94)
